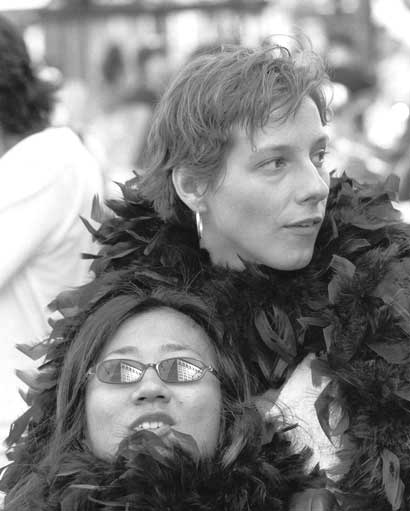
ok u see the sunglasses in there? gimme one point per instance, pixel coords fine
(170, 370)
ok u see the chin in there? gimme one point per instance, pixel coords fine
(297, 262)
(300, 265)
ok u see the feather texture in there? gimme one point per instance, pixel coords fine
(349, 306)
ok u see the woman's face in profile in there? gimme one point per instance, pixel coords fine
(114, 411)
(271, 201)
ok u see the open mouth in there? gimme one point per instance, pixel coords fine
(151, 425)
(157, 422)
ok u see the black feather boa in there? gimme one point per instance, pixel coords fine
(350, 307)
(151, 475)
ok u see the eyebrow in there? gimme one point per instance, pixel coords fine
(269, 150)
(166, 348)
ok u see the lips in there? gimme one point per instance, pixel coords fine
(156, 422)
(307, 222)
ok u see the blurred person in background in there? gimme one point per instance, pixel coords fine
(118, 133)
(48, 180)
(152, 74)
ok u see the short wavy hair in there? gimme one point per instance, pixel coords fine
(26, 101)
(213, 93)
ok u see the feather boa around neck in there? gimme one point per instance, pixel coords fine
(350, 307)
(151, 475)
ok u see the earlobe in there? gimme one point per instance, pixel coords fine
(188, 189)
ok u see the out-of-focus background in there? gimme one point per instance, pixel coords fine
(114, 57)
(111, 60)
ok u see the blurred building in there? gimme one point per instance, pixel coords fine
(366, 44)
(78, 32)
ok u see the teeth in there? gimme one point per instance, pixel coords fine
(149, 425)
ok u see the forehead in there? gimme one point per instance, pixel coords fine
(157, 331)
(303, 127)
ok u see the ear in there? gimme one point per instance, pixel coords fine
(189, 189)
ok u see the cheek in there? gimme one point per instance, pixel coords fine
(104, 429)
(95, 406)
(207, 408)
(325, 174)
(244, 206)
(202, 417)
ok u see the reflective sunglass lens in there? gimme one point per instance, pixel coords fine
(118, 371)
(129, 373)
(176, 370)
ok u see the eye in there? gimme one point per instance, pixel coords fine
(319, 157)
(279, 163)
(273, 163)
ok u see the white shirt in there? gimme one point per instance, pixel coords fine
(46, 182)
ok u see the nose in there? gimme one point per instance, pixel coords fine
(150, 388)
(314, 185)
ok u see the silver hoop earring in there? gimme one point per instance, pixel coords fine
(199, 225)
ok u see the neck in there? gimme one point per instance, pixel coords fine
(221, 252)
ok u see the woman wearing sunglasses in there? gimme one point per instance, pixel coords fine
(142, 406)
